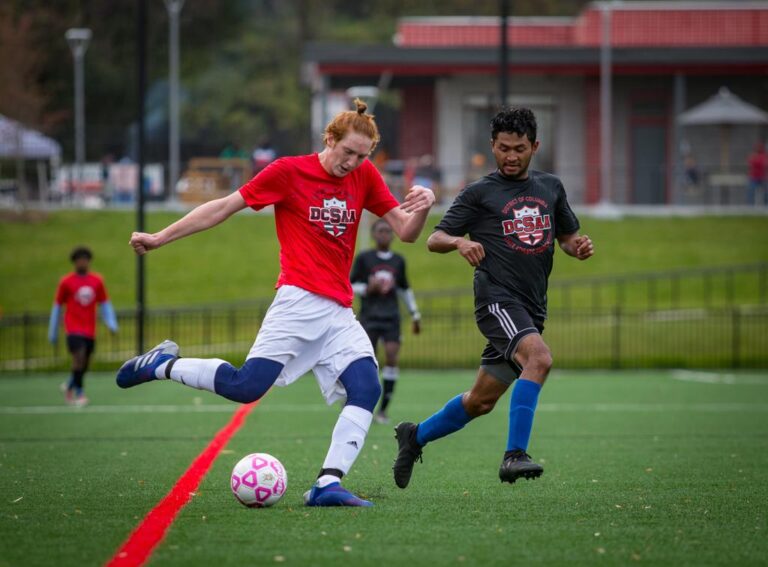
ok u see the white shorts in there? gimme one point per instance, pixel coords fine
(305, 331)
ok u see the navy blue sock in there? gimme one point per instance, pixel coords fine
(451, 418)
(522, 406)
(249, 383)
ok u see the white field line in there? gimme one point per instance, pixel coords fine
(702, 377)
(320, 407)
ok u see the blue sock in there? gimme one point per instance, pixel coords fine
(451, 418)
(521, 409)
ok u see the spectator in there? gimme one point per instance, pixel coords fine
(757, 166)
(263, 156)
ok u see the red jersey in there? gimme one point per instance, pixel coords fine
(317, 216)
(757, 165)
(80, 294)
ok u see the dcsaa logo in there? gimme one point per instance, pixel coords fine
(334, 215)
(85, 295)
(528, 225)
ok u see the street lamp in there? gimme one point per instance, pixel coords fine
(78, 39)
(174, 10)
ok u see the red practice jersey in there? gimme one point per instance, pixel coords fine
(317, 216)
(79, 294)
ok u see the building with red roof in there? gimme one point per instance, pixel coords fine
(666, 57)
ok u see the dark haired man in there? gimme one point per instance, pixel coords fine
(80, 292)
(512, 217)
(378, 278)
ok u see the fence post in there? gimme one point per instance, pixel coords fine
(616, 339)
(736, 336)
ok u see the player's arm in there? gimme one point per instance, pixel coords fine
(357, 278)
(442, 242)
(409, 218)
(199, 219)
(56, 309)
(105, 307)
(577, 245)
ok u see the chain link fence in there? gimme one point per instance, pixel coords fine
(589, 326)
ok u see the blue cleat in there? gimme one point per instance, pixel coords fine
(333, 495)
(142, 368)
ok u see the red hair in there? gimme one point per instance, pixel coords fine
(356, 120)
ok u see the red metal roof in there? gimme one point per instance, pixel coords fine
(648, 24)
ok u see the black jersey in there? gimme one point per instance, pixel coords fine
(516, 222)
(378, 307)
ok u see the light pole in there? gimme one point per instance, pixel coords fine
(174, 10)
(78, 39)
(504, 53)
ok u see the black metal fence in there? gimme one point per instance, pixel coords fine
(596, 337)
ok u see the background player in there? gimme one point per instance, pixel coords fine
(310, 325)
(379, 278)
(79, 292)
(512, 217)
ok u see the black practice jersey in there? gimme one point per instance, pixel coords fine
(516, 222)
(378, 307)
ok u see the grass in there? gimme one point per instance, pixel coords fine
(239, 259)
(641, 467)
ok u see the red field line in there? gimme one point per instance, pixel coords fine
(150, 532)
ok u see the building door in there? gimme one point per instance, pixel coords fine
(649, 149)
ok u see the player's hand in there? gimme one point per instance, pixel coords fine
(472, 252)
(584, 247)
(416, 327)
(373, 286)
(418, 199)
(143, 242)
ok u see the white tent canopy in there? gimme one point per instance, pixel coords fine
(18, 141)
(725, 109)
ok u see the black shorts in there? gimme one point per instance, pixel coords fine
(76, 343)
(387, 331)
(504, 325)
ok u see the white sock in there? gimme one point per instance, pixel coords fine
(326, 479)
(160, 370)
(348, 438)
(195, 372)
(390, 373)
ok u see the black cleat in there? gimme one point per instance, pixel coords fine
(518, 464)
(409, 451)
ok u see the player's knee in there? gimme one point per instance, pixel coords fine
(250, 382)
(539, 362)
(477, 405)
(361, 381)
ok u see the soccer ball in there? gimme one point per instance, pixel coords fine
(259, 480)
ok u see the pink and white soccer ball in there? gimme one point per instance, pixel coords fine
(259, 480)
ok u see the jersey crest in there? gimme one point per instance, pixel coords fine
(85, 295)
(528, 225)
(334, 215)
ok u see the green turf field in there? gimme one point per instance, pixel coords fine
(239, 259)
(656, 468)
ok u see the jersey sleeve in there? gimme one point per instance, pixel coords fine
(565, 219)
(268, 187)
(379, 199)
(101, 292)
(461, 214)
(358, 274)
(61, 293)
(402, 276)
